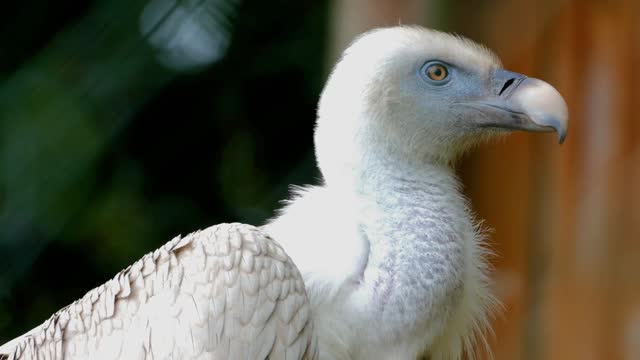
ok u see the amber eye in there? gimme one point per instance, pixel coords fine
(437, 72)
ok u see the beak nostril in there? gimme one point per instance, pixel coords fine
(506, 85)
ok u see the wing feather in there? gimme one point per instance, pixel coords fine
(229, 291)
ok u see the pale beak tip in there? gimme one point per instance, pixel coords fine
(545, 105)
(562, 134)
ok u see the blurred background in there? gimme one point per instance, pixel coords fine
(126, 122)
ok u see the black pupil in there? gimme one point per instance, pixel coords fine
(437, 71)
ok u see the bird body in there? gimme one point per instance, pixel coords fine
(383, 260)
(410, 266)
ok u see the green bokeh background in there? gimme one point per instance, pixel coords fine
(105, 154)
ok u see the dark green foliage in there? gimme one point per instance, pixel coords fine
(105, 154)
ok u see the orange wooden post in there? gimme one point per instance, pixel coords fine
(352, 17)
(566, 219)
(582, 251)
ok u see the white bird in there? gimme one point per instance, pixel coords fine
(384, 260)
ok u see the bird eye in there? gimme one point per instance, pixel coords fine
(436, 72)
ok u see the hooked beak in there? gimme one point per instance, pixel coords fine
(522, 103)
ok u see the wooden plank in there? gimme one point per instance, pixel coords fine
(566, 219)
(353, 17)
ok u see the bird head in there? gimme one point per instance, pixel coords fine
(413, 95)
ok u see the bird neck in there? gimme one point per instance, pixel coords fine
(400, 205)
(418, 229)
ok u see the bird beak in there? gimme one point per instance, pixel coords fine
(518, 102)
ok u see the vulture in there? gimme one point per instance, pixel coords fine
(383, 260)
